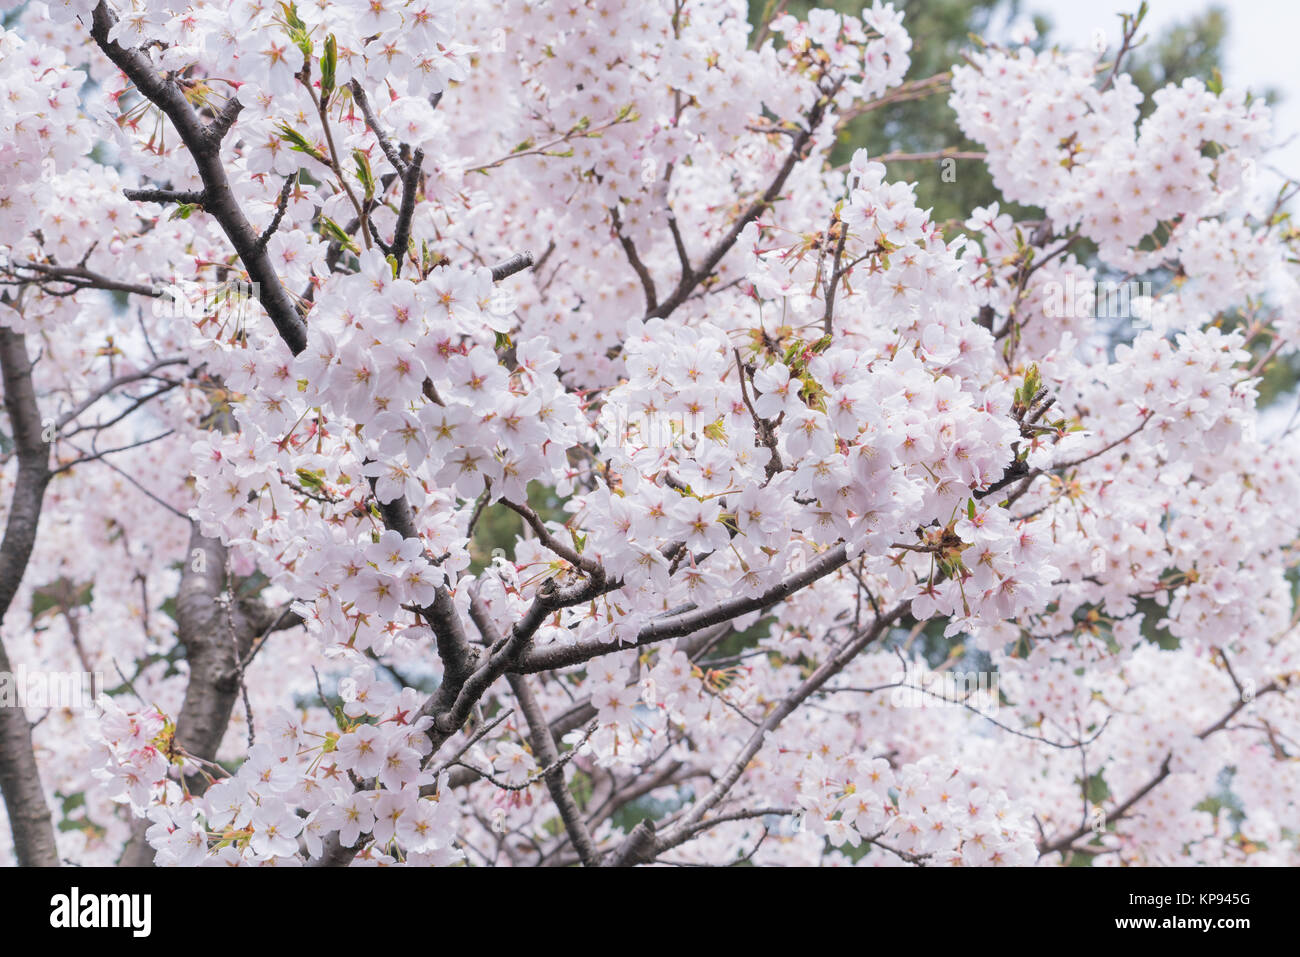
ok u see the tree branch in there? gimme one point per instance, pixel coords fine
(798, 151)
(206, 611)
(508, 267)
(204, 144)
(634, 260)
(548, 756)
(683, 623)
(79, 277)
(827, 670)
(182, 197)
(116, 383)
(1063, 843)
(20, 781)
(402, 232)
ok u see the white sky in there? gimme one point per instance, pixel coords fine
(1259, 51)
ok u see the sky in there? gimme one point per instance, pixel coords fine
(1259, 52)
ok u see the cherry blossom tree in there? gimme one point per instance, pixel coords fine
(295, 293)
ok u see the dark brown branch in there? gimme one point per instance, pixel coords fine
(402, 232)
(508, 267)
(206, 612)
(570, 555)
(798, 151)
(204, 144)
(280, 206)
(442, 617)
(836, 274)
(79, 277)
(372, 121)
(634, 260)
(114, 384)
(548, 756)
(203, 629)
(763, 428)
(684, 623)
(683, 259)
(20, 781)
(701, 826)
(225, 119)
(182, 197)
(635, 847)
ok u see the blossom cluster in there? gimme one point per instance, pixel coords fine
(762, 435)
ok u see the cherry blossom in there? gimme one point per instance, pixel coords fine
(303, 303)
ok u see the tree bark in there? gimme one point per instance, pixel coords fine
(20, 781)
(204, 625)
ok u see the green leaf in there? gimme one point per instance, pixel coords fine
(313, 479)
(291, 18)
(297, 30)
(1098, 791)
(333, 231)
(297, 141)
(364, 172)
(329, 66)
